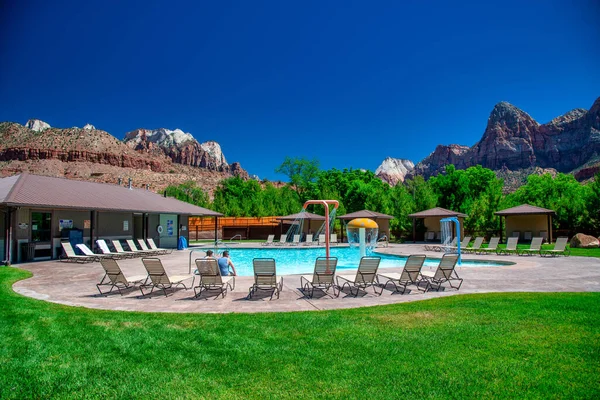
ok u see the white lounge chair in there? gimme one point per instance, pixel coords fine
(106, 251)
(153, 246)
(144, 247)
(295, 241)
(476, 245)
(429, 236)
(282, 240)
(269, 241)
(86, 251)
(119, 249)
(333, 239)
(492, 246)
(70, 255)
(134, 248)
(321, 240)
(309, 240)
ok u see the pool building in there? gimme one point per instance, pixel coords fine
(38, 212)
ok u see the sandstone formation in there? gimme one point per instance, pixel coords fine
(182, 148)
(584, 241)
(37, 125)
(393, 170)
(90, 154)
(514, 140)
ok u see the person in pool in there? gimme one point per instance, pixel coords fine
(225, 264)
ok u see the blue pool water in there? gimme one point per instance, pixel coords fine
(302, 260)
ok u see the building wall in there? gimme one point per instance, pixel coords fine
(153, 223)
(114, 225)
(526, 223)
(384, 227)
(184, 228)
(2, 233)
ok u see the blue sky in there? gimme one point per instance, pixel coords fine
(346, 82)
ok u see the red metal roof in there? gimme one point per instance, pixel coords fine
(366, 214)
(437, 212)
(525, 209)
(28, 190)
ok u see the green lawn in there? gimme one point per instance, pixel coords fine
(519, 345)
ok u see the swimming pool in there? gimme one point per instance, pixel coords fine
(302, 260)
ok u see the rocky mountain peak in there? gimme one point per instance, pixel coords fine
(214, 150)
(162, 137)
(506, 114)
(37, 125)
(89, 127)
(394, 170)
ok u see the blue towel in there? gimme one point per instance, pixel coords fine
(182, 243)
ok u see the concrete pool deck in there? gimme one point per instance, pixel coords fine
(75, 284)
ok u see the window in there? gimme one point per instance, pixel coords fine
(40, 227)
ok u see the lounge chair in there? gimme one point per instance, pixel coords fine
(153, 246)
(269, 241)
(282, 240)
(210, 277)
(87, 252)
(322, 278)
(527, 235)
(144, 247)
(429, 236)
(309, 240)
(492, 246)
(511, 246)
(365, 276)
(295, 240)
(333, 239)
(476, 245)
(445, 272)
(133, 248)
(544, 235)
(411, 274)
(560, 248)
(70, 255)
(115, 278)
(106, 251)
(463, 244)
(321, 240)
(159, 278)
(448, 247)
(534, 248)
(265, 277)
(119, 249)
(516, 234)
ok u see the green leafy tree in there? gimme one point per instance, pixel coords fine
(190, 193)
(302, 173)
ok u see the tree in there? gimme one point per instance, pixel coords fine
(190, 193)
(301, 172)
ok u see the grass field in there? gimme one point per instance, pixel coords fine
(521, 345)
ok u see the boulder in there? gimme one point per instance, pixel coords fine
(584, 241)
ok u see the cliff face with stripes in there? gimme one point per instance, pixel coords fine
(91, 154)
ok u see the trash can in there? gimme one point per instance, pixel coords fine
(27, 251)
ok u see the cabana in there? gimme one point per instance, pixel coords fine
(382, 220)
(526, 218)
(38, 212)
(315, 221)
(431, 219)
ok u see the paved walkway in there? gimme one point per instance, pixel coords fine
(75, 285)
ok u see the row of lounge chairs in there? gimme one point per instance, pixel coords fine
(535, 248)
(266, 279)
(89, 256)
(296, 240)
